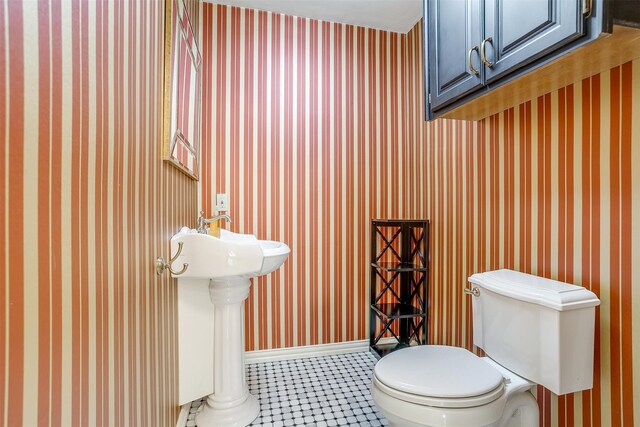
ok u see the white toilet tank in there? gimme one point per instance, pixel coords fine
(541, 329)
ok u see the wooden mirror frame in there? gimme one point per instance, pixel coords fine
(172, 134)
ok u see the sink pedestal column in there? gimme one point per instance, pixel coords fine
(230, 404)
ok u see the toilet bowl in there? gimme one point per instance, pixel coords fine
(533, 331)
(450, 386)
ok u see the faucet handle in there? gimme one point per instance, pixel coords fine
(201, 228)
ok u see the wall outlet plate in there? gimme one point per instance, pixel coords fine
(222, 202)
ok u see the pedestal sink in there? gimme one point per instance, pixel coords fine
(226, 263)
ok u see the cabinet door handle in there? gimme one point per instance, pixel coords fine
(469, 64)
(483, 55)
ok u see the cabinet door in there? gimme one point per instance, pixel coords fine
(453, 30)
(520, 31)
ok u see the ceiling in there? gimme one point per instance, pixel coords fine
(398, 16)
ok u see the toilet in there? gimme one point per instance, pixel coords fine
(532, 330)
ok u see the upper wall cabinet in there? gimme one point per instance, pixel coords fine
(456, 32)
(487, 55)
(517, 32)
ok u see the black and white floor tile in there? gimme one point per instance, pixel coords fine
(321, 391)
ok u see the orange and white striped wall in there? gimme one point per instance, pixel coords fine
(547, 187)
(311, 128)
(314, 128)
(87, 329)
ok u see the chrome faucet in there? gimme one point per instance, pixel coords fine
(202, 221)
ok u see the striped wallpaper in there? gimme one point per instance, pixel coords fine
(87, 330)
(314, 128)
(309, 127)
(547, 187)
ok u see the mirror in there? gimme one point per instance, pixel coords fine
(182, 90)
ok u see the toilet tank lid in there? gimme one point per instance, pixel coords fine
(537, 290)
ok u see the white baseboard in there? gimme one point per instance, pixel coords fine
(288, 353)
(184, 415)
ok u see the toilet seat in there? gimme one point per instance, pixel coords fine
(441, 402)
(438, 376)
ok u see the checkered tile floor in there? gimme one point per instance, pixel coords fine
(321, 391)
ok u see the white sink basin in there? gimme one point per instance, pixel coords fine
(220, 267)
(233, 254)
(275, 254)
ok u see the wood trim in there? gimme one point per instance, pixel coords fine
(166, 111)
(165, 151)
(591, 59)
